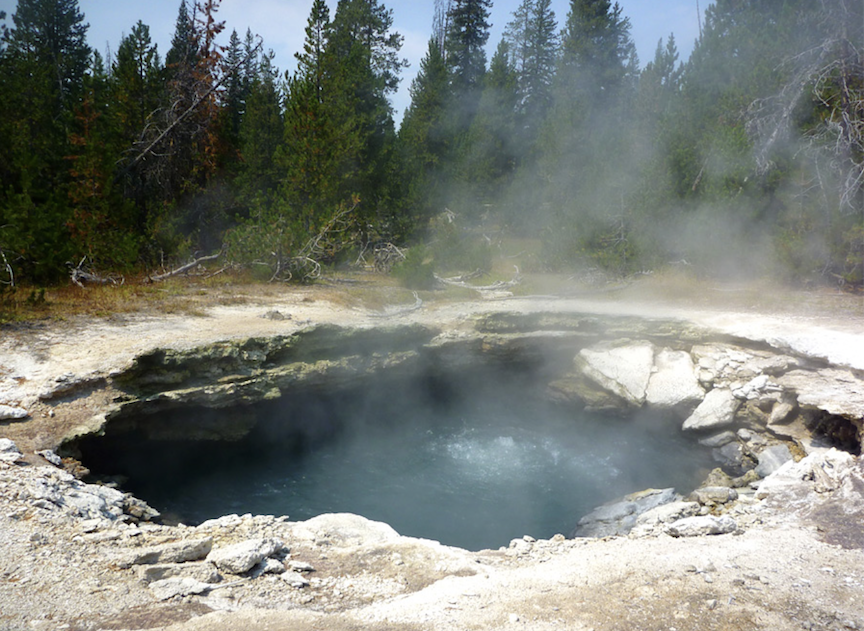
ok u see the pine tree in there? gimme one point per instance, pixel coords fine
(517, 33)
(586, 135)
(533, 43)
(494, 142)
(183, 52)
(441, 24)
(466, 57)
(310, 63)
(310, 149)
(423, 137)
(261, 132)
(53, 32)
(234, 97)
(136, 93)
(660, 82)
(43, 66)
(136, 81)
(363, 65)
(102, 227)
(595, 47)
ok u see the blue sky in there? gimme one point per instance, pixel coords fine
(281, 22)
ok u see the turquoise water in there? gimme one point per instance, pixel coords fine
(471, 471)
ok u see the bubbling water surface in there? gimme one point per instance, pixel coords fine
(473, 472)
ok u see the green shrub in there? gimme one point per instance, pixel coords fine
(455, 249)
(416, 271)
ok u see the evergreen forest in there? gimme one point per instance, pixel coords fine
(745, 158)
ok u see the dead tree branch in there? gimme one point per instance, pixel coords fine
(494, 287)
(386, 256)
(399, 311)
(195, 104)
(305, 266)
(81, 276)
(185, 268)
(7, 267)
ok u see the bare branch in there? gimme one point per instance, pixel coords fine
(80, 275)
(185, 268)
(195, 104)
(494, 287)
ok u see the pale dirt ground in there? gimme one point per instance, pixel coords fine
(779, 573)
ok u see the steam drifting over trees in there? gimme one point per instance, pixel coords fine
(752, 149)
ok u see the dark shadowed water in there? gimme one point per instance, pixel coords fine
(468, 465)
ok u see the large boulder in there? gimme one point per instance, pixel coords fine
(771, 459)
(674, 385)
(345, 529)
(619, 516)
(716, 411)
(242, 557)
(623, 370)
(835, 391)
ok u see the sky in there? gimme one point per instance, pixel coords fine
(281, 24)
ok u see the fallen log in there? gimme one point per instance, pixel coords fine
(81, 276)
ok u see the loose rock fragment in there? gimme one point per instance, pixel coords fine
(176, 586)
(51, 457)
(12, 413)
(703, 525)
(242, 557)
(300, 566)
(710, 495)
(203, 572)
(189, 550)
(295, 580)
(9, 452)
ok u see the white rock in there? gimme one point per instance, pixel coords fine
(836, 391)
(9, 452)
(226, 521)
(674, 384)
(771, 459)
(300, 566)
(781, 413)
(344, 529)
(619, 516)
(753, 388)
(716, 411)
(702, 525)
(242, 557)
(294, 579)
(199, 571)
(91, 501)
(51, 457)
(623, 370)
(176, 552)
(718, 440)
(824, 470)
(709, 495)
(178, 586)
(12, 413)
(668, 513)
